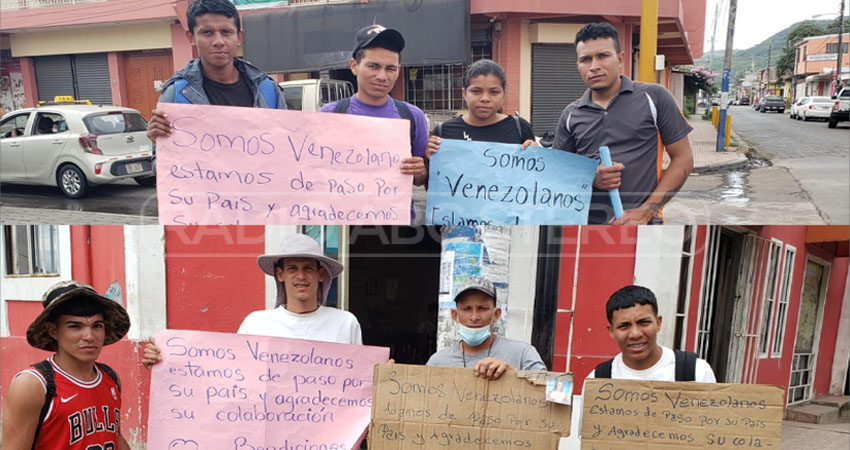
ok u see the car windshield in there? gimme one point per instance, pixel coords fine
(821, 100)
(115, 122)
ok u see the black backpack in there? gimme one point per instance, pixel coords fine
(46, 371)
(403, 111)
(438, 130)
(686, 367)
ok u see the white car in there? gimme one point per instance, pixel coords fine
(811, 107)
(73, 146)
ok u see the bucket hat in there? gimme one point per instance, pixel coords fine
(301, 246)
(115, 317)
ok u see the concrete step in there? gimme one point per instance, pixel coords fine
(811, 413)
(842, 402)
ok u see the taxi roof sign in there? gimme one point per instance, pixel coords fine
(64, 99)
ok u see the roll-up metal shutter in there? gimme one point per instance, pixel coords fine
(53, 76)
(92, 76)
(555, 83)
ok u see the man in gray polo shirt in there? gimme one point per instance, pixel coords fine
(636, 121)
(478, 348)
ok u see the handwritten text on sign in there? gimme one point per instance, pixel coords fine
(217, 390)
(628, 414)
(229, 165)
(484, 183)
(421, 407)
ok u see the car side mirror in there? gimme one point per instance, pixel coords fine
(835, 97)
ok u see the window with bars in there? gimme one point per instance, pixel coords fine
(439, 87)
(31, 249)
(782, 301)
(833, 47)
(769, 299)
(684, 288)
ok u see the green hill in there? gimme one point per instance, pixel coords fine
(744, 60)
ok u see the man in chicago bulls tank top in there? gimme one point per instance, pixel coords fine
(69, 401)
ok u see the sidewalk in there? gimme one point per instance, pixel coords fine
(703, 143)
(10, 215)
(797, 435)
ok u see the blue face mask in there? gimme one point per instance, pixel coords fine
(473, 336)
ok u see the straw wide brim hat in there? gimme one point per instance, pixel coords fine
(116, 319)
(301, 246)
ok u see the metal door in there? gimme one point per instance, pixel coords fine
(555, 83)
(808, 327)
(91, 72)
(54, 76)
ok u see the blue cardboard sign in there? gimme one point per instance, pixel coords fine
(485, 183)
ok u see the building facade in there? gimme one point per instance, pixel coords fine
(761, 304)
(816, 58)
(108, 52)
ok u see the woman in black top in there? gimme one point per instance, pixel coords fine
(484, 91)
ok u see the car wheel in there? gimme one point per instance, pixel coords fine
(805, 118)
(762, 111)
(792, 116)
(145, 181)
(832, 123)
(72, 182)
(781, 111)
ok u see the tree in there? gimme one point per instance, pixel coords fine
(833, 27)
(697, 79)
(786, 61)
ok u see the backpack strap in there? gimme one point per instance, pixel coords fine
(111, 372)
(46, 371)
(179, 84)
(404, 112)
(518, 128)
(603, 370)
(686, 365)
(342, 106)
(268, 92)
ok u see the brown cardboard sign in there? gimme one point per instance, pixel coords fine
(634, 414)
(421, 407)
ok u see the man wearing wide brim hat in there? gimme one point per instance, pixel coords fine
(44, 405)
(303, 276)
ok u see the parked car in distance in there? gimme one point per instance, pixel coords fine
(73, 145)
(811, 107)
(744, 101)
(841, 108)
(311, 95)
(771, 103)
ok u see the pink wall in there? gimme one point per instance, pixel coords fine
(212, 278)
(606, 263)
(117, 79)
(28, 78)
(108, 12)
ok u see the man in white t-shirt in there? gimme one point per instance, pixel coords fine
(303, 275)
(634, 323)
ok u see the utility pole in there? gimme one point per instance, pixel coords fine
(713, 36)
(648, 40)
(769, 48)
(840, 56)
(727, 69)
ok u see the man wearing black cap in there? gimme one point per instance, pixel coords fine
(68, 401)
(376, 62)
(488, 354)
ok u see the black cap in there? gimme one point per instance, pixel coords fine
(378, 36)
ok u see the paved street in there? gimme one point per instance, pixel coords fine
(122, 202)
(799, 173)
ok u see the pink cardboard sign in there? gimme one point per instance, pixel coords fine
(220, 390)
(255, 166)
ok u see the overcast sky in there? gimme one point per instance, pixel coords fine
(757, 20)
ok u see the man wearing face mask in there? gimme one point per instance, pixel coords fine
(478, 348)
